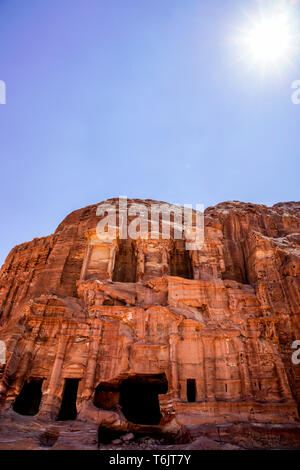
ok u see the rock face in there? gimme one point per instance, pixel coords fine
(145, 336)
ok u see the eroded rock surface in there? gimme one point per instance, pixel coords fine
(145, 337)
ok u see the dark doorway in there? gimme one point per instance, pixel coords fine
(68, 405)
(29, 399)
(125, 263)
(191, 390)
(139, 398)
(180, 262)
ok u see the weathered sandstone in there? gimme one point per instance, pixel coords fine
(144, 336)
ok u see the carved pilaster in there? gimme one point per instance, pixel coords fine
(209, 368)
(22, 369)
(111, 262)
(140, 263)
(91, 368)
(50, 405)
(244, 369)
(284, 387)
(173, 342)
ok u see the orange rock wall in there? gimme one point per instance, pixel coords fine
(225, 316)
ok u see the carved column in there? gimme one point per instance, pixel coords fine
(111, 262)
(209, 368)
(140, 263)
(244, 369)
(91, 368)
(50, 405)
(195, 264)
(173, 341)
(125, 355)
(165, 260)
(201, 389)
(22, 368)
(85, 261)
(24, 363)
(284, 386)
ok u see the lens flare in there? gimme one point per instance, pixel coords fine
(271, 38)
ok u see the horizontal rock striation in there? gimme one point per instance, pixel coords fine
(145, 336)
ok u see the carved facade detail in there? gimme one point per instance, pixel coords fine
(207, 331)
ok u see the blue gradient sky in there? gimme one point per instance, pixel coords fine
(141, 98)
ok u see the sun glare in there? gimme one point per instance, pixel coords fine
(270, 39)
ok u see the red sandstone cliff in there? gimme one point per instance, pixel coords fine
(101, 313)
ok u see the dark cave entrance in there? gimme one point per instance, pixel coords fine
(125, 262)
(139, 398)
(180, 261)
(191, 390)
(29, 399)
(68, 409)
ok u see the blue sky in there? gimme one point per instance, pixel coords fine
(148, 99)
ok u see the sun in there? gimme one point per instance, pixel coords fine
(269, 39)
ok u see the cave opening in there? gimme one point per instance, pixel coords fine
(139, 398)
(29, 399)
(191, 390)
(180, 261)
(68, 409)
(125, 262)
